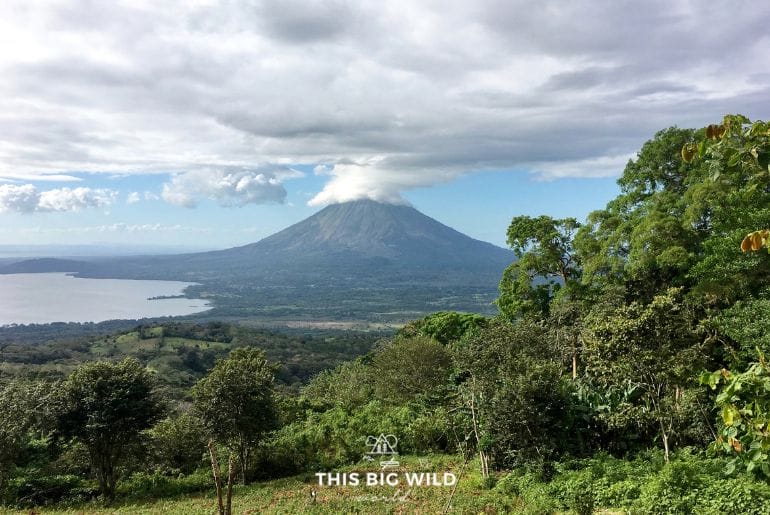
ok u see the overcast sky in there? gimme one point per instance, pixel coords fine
(216, 123)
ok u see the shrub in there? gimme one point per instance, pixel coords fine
(741, 495)
(157, 484)
(34, 490)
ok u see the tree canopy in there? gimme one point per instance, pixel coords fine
(236, 401)
(105, 407)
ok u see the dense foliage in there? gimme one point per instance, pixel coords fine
(104, 407)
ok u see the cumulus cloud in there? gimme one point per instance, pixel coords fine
(75, 199)
(27, 198)
(227, 188)
(133, 197)
(354, 181)
(19, 198)
(388, 95)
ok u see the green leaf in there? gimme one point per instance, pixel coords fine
(734, 159)
(763, 158)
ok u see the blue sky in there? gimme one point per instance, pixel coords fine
(138, 122)
(480, 205)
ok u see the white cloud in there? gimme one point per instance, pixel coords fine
(603, 166)
(49, 177)
(365, 181)
(22, 199)
(419, 92)
(66, 199)
(133, 197)
(227, 188)
(27, 199)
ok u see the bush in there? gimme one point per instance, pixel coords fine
(338, 437)
(33, 490)
(673, 490)
(742, 495)
(157, 484)
(575, 490)
(530, 489)
(177, 444)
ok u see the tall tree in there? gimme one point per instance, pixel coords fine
(106, 406)
(545, 264)
(640, 241)
(236, 402)
(686, 200)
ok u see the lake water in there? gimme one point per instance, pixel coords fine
(58, 297)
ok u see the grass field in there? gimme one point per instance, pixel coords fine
(293, 495)
(599, 485)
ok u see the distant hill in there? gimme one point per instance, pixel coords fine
(40, 265)
(388, 257)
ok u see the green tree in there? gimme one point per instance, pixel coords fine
(349, 385)
(26, 407)
(517, 394)
(407, 369)
(177, 443)
(641, 242)
(650, 347)
(106, 407)
(731, 200)
(445, 326)
(545, 263)
(236, 402)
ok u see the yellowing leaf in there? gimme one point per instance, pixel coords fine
(688, 152)
(746, 244)
(755, 240)
(715, 131)
(727, 416)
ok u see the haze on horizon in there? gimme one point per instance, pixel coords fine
(218, 123)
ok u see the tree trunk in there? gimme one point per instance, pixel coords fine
(574, 364)
(244, 457)
(105, 473)
(217, 479)
(483, 459)
(664, 437)
(230, 481)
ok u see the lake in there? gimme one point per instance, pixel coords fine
(58, 297)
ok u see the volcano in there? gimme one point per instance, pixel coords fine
(370, 256)
(365, 235)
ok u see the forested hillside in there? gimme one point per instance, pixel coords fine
(626, 371)
(180, 353)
